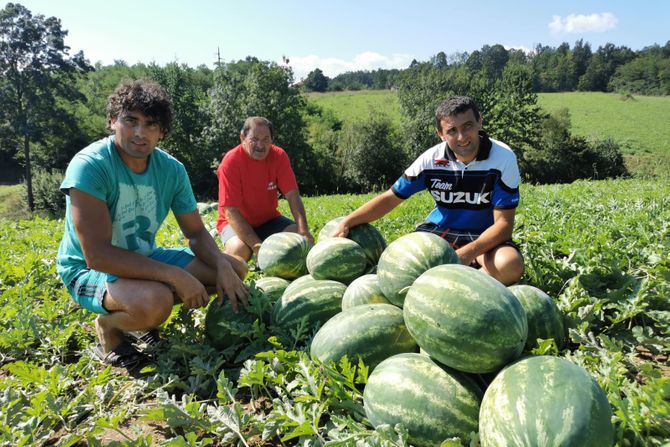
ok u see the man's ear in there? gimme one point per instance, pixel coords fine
(241, 137)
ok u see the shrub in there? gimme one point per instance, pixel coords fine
(563, 158)
(47, 196)
(371, 154)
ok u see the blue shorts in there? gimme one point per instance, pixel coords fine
(263, 231)
(89, 287)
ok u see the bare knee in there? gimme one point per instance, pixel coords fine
(237, 248)
(504, 264)
(291, 228)
(154, 307)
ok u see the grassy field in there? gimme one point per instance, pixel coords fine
(356, 106)
(11, 206)
(638, 124)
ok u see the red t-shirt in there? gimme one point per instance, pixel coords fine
(252, 184)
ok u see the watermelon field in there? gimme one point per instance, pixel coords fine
(596, 257)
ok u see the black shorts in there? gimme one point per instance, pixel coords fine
(456, 238)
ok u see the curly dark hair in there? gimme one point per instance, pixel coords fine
(144, 96)
(453, 106)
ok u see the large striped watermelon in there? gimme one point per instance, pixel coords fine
(223, 326)
(338, 259)
(363, 290)
(545, 320)
(366, 235)
(408, 257)
(431, 402)
(315, 299)
(545, 401)
(465, 319)
(284, 255)
(371, 332)
(272, 286)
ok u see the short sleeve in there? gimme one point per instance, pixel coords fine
(184, 200)
(230, 184)
(285, 176)
(411, 181)
(86, 175)
(506, 192)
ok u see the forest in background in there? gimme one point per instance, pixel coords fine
(52, 104)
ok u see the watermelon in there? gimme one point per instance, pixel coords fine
(545, 400)
(338, 259)
(363, 290)
(408, 257)
(315, 299)
(433, 403)
(370, 332)
(284, 255)
(272, 286)
(545, 320)
(465, 319)
(365, 235)
(222, 324)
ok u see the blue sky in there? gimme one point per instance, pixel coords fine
(342, 35)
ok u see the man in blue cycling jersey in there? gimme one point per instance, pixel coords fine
(474, 181)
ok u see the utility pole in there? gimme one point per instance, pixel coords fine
(218, 57)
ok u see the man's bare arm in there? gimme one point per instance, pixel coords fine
(93, 225)
(298, 212)
(370, 211)
(493, 236)
(229, 271)
(243, 230)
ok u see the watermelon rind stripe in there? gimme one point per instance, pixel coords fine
(431, 402)
(465, 319)
(545, 400)
(370, 332)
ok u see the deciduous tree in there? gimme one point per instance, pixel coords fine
(36, 74)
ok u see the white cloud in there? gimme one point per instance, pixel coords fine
(580, 23)
(331, 66)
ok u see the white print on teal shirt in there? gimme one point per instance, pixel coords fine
(134, 222)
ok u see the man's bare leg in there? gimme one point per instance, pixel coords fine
(133, 305)
(239, 250)
(504, 263)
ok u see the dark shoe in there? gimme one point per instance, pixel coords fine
(150, 338)
(123, 356)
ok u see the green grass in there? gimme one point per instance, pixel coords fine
(356, 106)
(638, 124)
(11, 205)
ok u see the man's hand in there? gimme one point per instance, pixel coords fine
(307, 235)
(229, 284)
(342, 229)
(466, 254)
(189, 290)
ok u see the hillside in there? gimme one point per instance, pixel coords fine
(594, 115)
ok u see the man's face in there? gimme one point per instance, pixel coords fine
(135, 134)
(257, 142)
(461, 132)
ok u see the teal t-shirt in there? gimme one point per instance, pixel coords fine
(137, 203)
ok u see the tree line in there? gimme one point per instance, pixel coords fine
(610, 68)
(52, 105)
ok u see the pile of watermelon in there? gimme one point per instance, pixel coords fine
(448, 346)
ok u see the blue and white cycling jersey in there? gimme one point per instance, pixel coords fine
(465, 194)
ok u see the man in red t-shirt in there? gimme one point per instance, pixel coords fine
(250, 177)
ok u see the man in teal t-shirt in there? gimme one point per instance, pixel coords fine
(119, 191)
